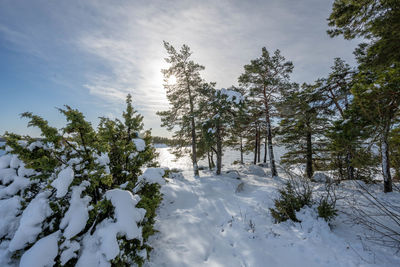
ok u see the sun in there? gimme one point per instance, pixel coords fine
(171, 80)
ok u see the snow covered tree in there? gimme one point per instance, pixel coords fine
(265, 77)
(376, 90)
(336, 90)
(69, 201)
(375, 20)
(377, 95)
(219, 107)
(240, 123)
(301, 127)
(394, 144)
(183, 98)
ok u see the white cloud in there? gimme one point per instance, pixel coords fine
(120, 43)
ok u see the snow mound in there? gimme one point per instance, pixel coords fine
(9, 209)
(18, 184)
(232, 174)
(69, 251)
(77, 214)
(64, 179)
(102, 246)
(5, 161)
(139, 144)
(30, 225)
(256, 170)
(42, 253)
(152, 176)
(321, 177)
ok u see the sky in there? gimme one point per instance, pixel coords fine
(91, 54)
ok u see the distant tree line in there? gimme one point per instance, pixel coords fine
(346, 122)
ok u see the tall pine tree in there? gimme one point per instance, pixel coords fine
(265, 77)
(183, 98)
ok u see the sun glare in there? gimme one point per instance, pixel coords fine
(171, 79)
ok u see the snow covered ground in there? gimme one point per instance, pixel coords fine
(204, 222)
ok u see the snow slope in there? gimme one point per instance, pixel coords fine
(203, 222)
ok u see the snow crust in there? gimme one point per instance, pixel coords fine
(203, 222)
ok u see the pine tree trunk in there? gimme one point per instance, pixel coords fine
(265, 151)
(269, 135)
(219, 148)
(270, 147)
(350, 168)
(387, 179)
(259, 145)
(193, 126)
(309, 167)
(255, 147)
(241, 150)
(209, 160)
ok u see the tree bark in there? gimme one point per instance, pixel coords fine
(259, 145)
(265, 150)
(387, 179)
(209, 160)
(193, 126)
(309, 165)
(270, 146)
(269, 135)
(219, 147)
(350, 168)
(255, 147)
(241, 150)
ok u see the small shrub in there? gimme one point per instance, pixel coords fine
(292, 198)
(327, 210)
(327, 204)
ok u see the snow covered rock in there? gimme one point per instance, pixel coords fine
(321, 177)
(256, 170)
(232, 174)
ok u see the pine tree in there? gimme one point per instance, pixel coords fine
(183, 98)
(376, 89)
(240, 123)
(303, 121)
(336, 90)
(219, 108)
(73, 179)
(377, 95)
(265, 77)
(377, 21)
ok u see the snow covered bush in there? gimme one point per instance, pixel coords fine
(77, 196)
(298, 193)
(289, 202)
